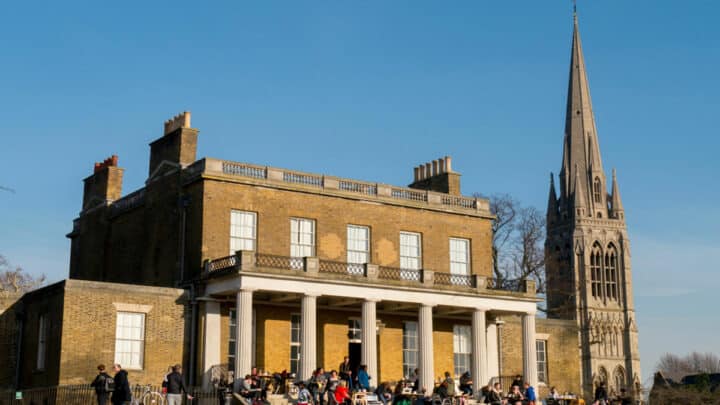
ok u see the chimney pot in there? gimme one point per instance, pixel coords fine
(448, 164)
(428, 169)
(435, 167)
(416, 173)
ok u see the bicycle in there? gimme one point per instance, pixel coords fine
(150, 397)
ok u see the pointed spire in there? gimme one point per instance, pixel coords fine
(579, 195)
(616, 202)
(581, 150)
(552, 208)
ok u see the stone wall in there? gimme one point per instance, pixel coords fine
(8, 336)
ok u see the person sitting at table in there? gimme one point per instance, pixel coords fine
(494, 395)
(399, 397)
(246, 389)
(441, 391)
(416, 380)
(515, 397)
(384, 393)
(466, 383)
(363, 379)
(553, 396)
(342, 395)
(422, 398)
(450, 383)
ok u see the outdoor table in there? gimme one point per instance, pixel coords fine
(359, 397)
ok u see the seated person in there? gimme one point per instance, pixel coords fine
(494, 395)
(450, 384)
(466, 383)
(515, 397)
(342, 394)
(304, 396)
(441, 390)
(246, 388)
(383, 393)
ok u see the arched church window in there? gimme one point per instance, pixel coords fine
(596, 271)
(597, 186)
(619, 378)
(611, 288)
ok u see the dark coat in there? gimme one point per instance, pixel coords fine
(175, 384)
(122, 388)
(600, 394)
(99, 382)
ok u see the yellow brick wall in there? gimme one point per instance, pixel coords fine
(275, 207)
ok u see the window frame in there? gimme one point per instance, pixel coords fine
(354, 330)
(232, 338)
(408, 335)
(404, 248)
(242, 239)
(295, 324)
(542, 364)
(462, 359)
(129, 365)
(41, 342)
(452, 257)
(357, 265)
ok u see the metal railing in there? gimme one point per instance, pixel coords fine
(396, 273)
(85, 395)
(454, 279)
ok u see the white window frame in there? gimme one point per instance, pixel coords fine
(542, 360)
(232, 338)
(354, 330)
(295, 324)
(462, 349)
(410, 354)
(42, 343)
(410, 251)
(123, 332)
(459, 262)
(357, 254)
(240, 222)
(302, 240)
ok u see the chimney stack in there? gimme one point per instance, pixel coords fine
(437, 175)
(104, 185)
(176, 148)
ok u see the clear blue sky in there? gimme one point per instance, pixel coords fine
(368, 90)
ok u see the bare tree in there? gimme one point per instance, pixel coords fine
(676, 367)
(15, 279)
(518, 238)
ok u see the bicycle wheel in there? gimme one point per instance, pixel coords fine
(152, 398)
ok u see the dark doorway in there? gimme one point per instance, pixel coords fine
(355, 353)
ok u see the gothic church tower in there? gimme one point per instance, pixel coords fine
(587, 248)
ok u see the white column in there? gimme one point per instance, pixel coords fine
(479, 350)
(243, 351)
(211, 341)
(529, 349)
(308, 336)
(493, 364)
(369, 339)
(425, 352)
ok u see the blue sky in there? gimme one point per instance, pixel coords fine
(368, 90)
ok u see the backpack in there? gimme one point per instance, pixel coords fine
(108, 384)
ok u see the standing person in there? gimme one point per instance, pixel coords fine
(517, 381)
(103, 384)
(601, 395)
(331, 386)
(450, 384)
(363, 378)
(121, 395)
(304, 396)
(345, 368)
(176, 386)
(530, 396)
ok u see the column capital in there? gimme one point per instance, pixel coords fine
(247, 289)
(311, 294)
(424, 305)
(372, 299)
(480, 309)
(530, 313)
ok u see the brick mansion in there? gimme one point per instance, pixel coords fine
(217, 263)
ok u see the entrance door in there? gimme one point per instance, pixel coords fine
(355, 354)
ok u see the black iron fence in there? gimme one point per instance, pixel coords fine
(85, 395)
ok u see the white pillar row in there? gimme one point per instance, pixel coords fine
(478, 362)
(369, 339)
(529, 349)
(308, 336)
(493, 361)
(211, 340)
(425, 354)
(243, 351)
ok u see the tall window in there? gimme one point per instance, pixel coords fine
(42, 342)
(410, 251)
(294, 343)
(461, 348)
(542, 365)
(410, 348)
(302, 239)
(243, 230)
(354, 330)
(232, 341)
(596, 271)
(459, 256)
(597, 186)
(130, 339)
(358, 248)
(611, 273)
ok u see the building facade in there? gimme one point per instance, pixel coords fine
(589, 275)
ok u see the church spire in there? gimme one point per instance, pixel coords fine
(581, 150)
(552, 208)
(578, 195)
(616, 203)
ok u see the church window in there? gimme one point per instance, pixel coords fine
(596, 271)
(597, 186)
(611, 288)
(619, 377)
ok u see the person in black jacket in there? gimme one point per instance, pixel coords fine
(176, 386)
(601, 396)
(99, 385)
(122, 394)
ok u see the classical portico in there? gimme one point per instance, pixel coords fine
(375, 299)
